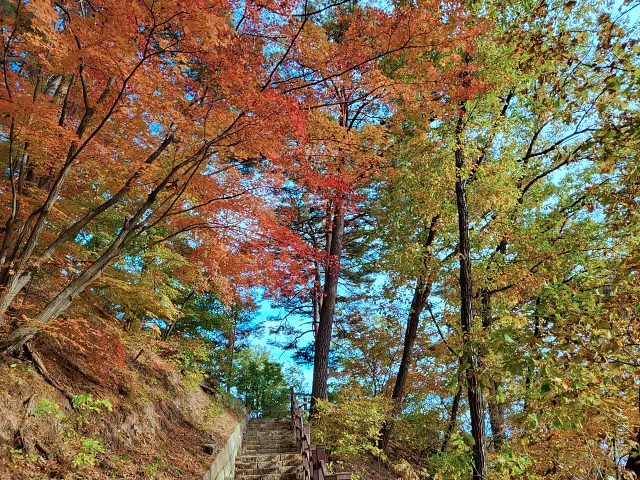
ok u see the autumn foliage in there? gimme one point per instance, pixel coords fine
(440, 197)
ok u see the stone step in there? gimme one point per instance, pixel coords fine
(287, 446)
(269, 438)
(278, 430)
(263, 451)
(270, 447)
(268, 441)
(268, 435)
(267, 468)
(279, 444)
(268, 429)
(268, 463)
(269, 452)
(273, 476)
(273, 467)
(283, 457)
(271, 421)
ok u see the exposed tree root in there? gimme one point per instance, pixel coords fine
(37, 361)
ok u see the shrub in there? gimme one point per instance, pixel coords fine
(86, 403)
(420, 431)
(352, 427)
(87, 456)
(456, 462)
(46, 407)
(151, 471)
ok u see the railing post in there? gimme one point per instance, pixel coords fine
(315, 463)
(314, 456)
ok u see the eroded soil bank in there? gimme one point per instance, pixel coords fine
(122, 407)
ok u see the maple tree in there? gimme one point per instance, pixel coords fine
(165, 154)
(446, 192)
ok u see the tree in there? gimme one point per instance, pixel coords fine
(339, 71)
(153, 116)
(262, 384)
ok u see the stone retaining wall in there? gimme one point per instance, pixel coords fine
(224, 465)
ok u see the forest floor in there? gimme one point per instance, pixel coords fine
(401, 464)
(121, 407)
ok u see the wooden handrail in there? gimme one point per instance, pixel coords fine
(314, 457)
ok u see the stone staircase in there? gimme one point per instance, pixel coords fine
(269, 451)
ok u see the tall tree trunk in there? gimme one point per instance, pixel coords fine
(420, 297)
(453, 418)
(330, 294)
(403, 371)
(231, 348)
(470, 354)
(316, 298)
(633, 460)
(497, 408)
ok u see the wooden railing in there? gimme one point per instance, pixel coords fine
(314, 457)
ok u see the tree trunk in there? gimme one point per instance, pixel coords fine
(14, 286)
(420, 297)
(497, 409)
(17, 338)
(232, 348)
(173, 324)
(316, 298)
(64, 299)
(497, 412)
(470, 354)
(17, 280)
(330, 294)
(407, 353)
(453, 419)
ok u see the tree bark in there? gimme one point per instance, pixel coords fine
(497, 412)
(231, 348)
(330, 294)
(420, 296)
(18, 338)
(16, 281)
(497, 409)
(453, 418)
(470, 354)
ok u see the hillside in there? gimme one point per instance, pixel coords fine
(112, 415)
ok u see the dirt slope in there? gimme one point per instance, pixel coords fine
(131, 417)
